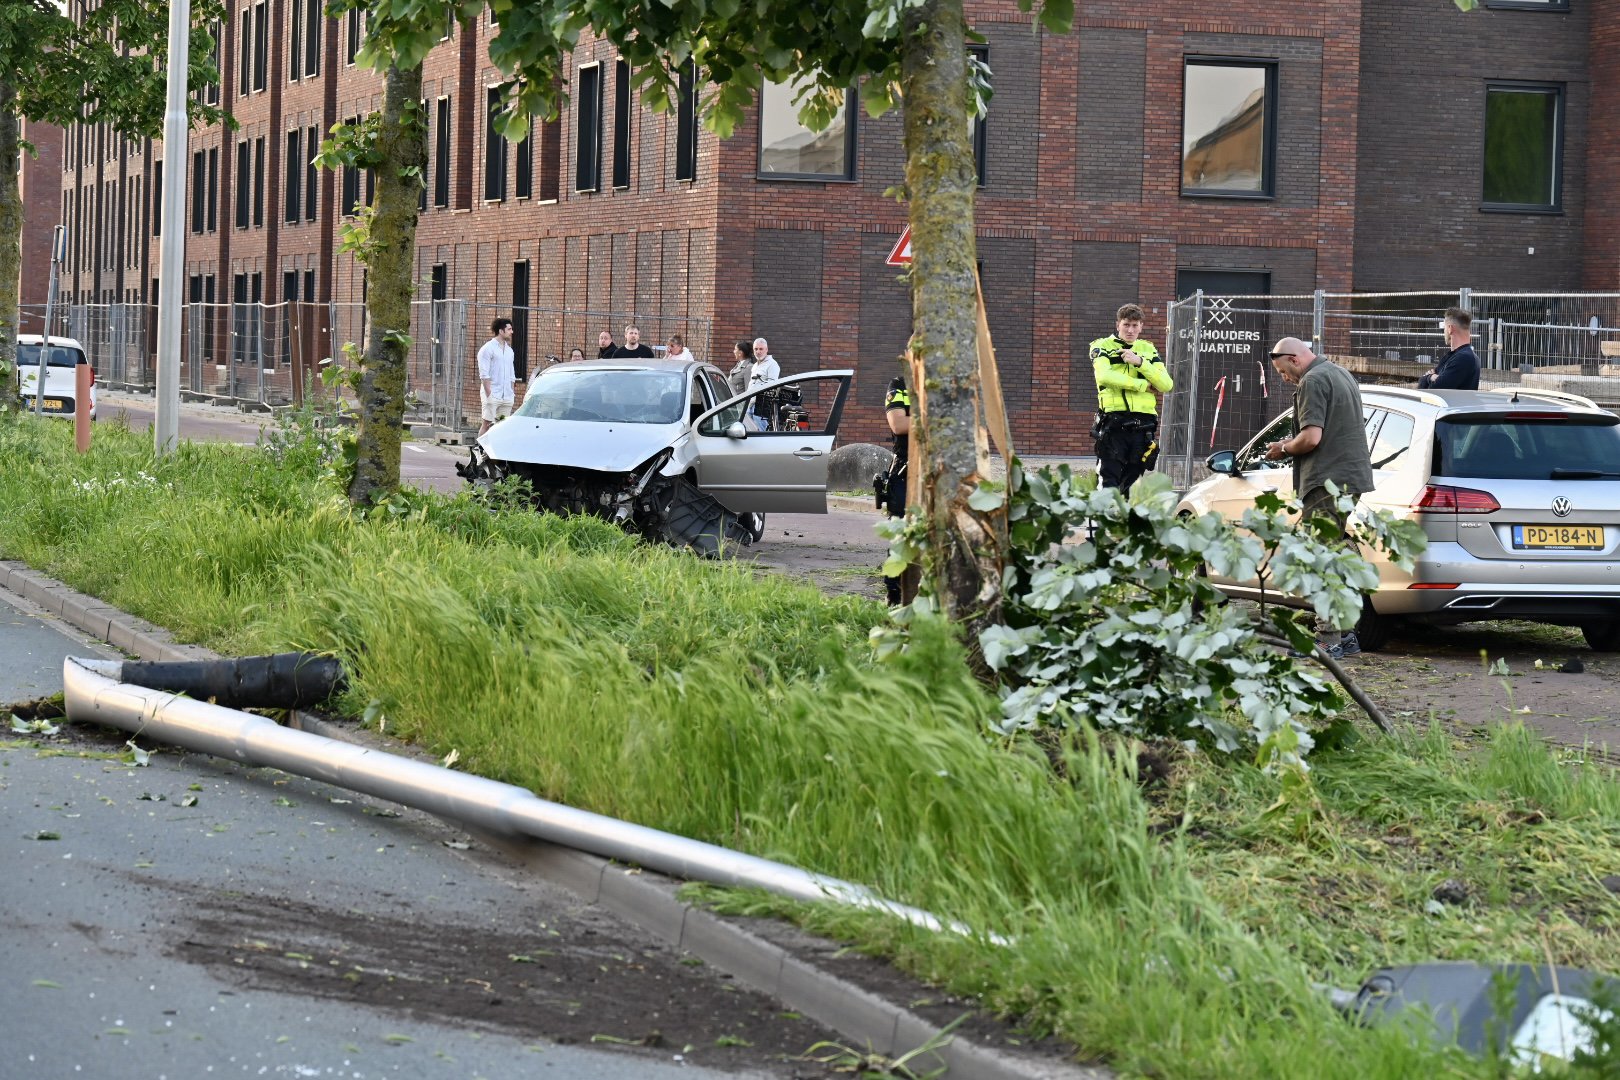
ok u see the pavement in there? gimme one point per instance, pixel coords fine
(872, 1006)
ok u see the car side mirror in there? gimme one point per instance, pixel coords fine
(737, 431)
(1223, 461)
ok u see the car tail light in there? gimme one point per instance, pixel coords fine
(1444, 499)
(1433, 585)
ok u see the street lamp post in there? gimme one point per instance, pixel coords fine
(171, 272)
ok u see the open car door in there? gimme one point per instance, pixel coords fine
(775, 472)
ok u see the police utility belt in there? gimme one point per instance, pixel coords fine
(1120, 420)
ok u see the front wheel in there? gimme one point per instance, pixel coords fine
(1602, 636)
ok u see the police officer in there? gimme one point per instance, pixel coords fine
(1128, 373)
(897, 410)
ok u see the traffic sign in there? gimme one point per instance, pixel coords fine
(901, 255)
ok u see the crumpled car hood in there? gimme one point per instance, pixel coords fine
(611, 447)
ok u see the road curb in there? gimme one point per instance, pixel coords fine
(643, 898)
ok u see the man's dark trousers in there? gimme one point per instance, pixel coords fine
(1124, 447)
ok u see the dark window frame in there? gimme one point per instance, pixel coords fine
(851, 174)
(981, 144)
(441, 152)
(495, 148)
(522, 278)
(314, 37)
(244, 192)
(588, 131)
(260, 160)
(351, 44)
(213, 189)
(295, 39)
(261, 45)
(686, 125)
(623, 101)
(294, 187)
(523, 183)
(157, 199)
(244, 71)
(311, 173)
(199, 191)
(1560, 100)
(1268, 164)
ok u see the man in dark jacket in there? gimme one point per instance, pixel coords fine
(1459, 368)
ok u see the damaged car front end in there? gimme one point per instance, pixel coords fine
(658, 448)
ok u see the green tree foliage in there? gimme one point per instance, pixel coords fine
(105, 69)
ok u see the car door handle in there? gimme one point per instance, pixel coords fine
(808, 452)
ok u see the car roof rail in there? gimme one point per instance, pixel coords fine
(1562, 396)
(1406, 392)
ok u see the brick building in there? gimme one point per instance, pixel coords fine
(1154, 150)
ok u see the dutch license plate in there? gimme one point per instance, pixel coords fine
(1575, 537)
(54, 404)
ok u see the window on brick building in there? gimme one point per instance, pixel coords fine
(351, 182)
(261, 44)
(294, 186)
(686, 124)
(157, 198)
(314, 29)
(213, 188)
(621, 124)
(244, 184)
(312, 146)
(525, 163)
(199, 190)
(1228, 127)
(494, 148)
(1523, 146)
(309, 286)
(588, 129)
(295, 51)
(520, 319)
(788, 150)
(210, 93)
(441, 154)
(351, 43)
(976, 123)
(258, 181)
(244, 57)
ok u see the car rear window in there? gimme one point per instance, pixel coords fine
(618, 397)
(1493, 447)
(55, 356)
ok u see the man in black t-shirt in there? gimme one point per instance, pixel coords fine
(632, 346)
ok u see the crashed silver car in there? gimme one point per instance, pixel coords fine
(665, 449)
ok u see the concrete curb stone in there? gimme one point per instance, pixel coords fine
(643, 898)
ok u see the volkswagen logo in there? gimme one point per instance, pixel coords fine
(1561, 506)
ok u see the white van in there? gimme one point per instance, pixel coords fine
(62, 356)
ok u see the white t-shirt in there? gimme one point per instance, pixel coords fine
(765, 371)
(684, 355)
(495, 364)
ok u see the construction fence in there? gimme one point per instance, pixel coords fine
(271, 355)
(1217, 350)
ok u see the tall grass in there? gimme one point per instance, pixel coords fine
(717, 703)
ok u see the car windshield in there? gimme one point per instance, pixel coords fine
(1516, 448)
(55, 356)
(614, 396)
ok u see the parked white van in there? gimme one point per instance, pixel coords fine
(62, 356)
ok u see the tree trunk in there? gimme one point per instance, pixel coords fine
(962, 555)
(11, 220)
(390, 259)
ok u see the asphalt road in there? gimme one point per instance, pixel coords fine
(193, 917)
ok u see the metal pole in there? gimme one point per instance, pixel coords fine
(1192, 390)
(1318, 320)
(176, 124)
(58, 238)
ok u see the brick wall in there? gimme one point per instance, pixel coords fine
(41, 194)
(1424, 70)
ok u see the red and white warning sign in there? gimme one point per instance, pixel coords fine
(901, 255)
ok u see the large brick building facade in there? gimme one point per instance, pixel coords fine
(1155, 149)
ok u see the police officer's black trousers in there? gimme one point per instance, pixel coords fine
(1125, 450)
(897, 508)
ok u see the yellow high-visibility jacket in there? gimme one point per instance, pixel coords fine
(1122, 386)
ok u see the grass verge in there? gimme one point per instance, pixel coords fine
(1171, 930)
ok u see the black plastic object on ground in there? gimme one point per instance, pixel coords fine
(294, 680)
